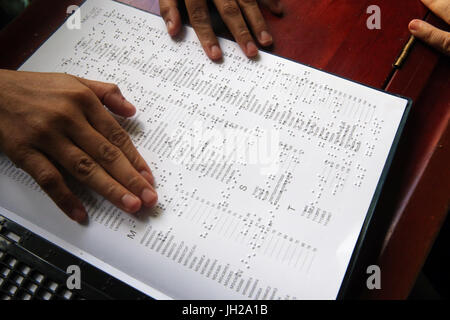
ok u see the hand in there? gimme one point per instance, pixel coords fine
(231, 13)
(435, 37)
(56, 118)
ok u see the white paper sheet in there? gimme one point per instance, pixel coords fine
(265, 168)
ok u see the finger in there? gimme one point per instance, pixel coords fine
(171, 15)
(83, 168)
(51, 181)
(107, 126)
(433, 36)
(256, 20)
(201, 22)
(111, 96)
(440, 7)
(114, 162)
(231, 15)
(275, 6)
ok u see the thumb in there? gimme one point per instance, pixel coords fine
(111, 96)
(435, 37)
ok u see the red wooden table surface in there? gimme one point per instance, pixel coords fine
(332, 35)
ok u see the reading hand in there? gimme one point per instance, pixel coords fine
(435, 37)
(56, 118)
(231, 13)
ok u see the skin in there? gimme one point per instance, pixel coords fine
(232, 13)
(431, 35)
(51, 120)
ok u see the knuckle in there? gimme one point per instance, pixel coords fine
(41, 129)
(109, 153)
(230, 8)
(84, 167)
(21, 155)
(119, 138)
(62, 117)
(80, 95)
(134, 182)
(48, 180)
(135, 161)
(248, 2)
(198, 15)
(113, 88)
(244, 33)
(446, 44)
(111, 191)
(430, 34)
(44, 125)
(65, 76)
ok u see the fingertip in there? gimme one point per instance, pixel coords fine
(79, 215)
(124, 109)
(277, 9)
(131, 203)
(251, 50)
(265, 38)
(215, 53)
(173, 23)
(149, 197)
(431, 35)
(171, 28)
(129, 109)
(415, 25)
(155, 201)
(116, 102)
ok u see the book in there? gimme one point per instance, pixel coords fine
(267, 170)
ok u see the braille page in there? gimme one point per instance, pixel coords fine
(265, 168)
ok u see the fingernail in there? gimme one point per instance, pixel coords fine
(414, 25)
(129, 107)
(216, 53)
(149, 177)
(78, 215)
(265, 38)
(252, 50)
(149, 197)
(130, 202)
(169, 25)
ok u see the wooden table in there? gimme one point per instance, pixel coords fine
(332, 35)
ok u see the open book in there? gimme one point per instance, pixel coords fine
(267, 170)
